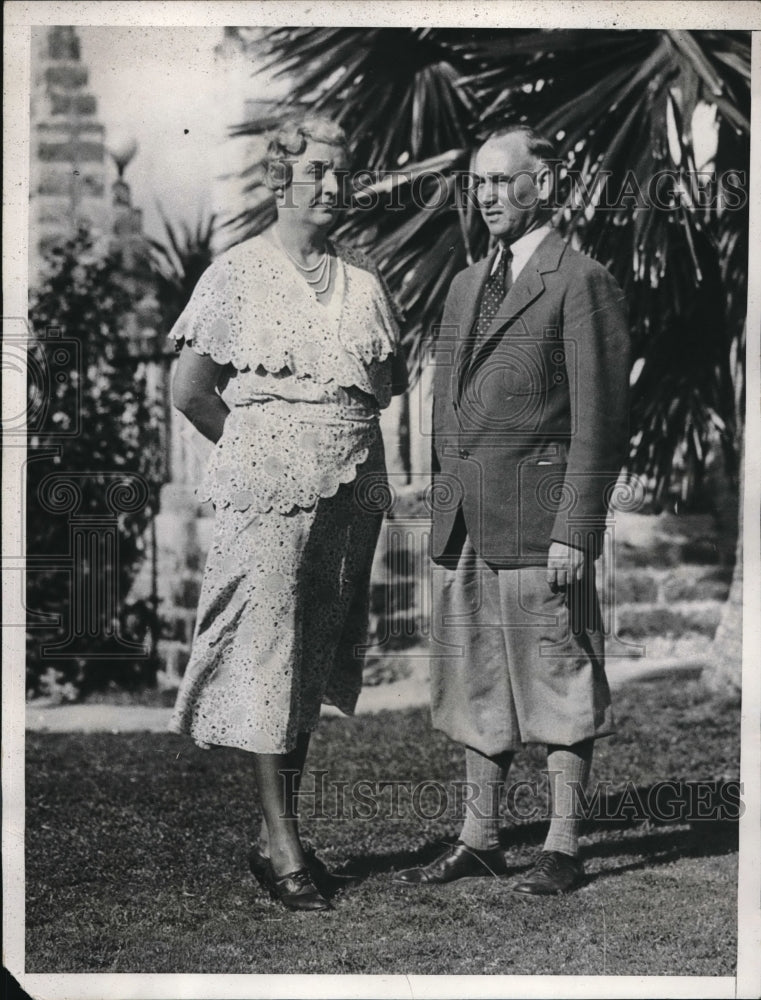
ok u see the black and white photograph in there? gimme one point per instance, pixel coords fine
(381, 500)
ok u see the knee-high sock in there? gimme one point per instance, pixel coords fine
(485, 777)
(569, 769)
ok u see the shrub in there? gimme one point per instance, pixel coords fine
(93, 472)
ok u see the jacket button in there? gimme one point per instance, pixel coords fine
(464, 453)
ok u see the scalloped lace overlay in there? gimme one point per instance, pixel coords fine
(280, 455)
(251, 310)
(307, 382)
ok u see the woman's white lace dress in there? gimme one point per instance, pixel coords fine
(297, 481)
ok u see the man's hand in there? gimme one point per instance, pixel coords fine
(565, 566)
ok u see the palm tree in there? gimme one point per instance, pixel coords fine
(178, 262)
(620, 106)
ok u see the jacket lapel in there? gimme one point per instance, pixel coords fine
(471, 298)
(477, 276)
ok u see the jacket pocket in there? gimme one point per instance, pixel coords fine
(531, 367)
(542, 493)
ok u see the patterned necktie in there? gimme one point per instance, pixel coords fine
(495, 289)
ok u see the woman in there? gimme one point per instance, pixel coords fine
(301, 337)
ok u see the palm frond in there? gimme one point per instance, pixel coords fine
(179, 262)
(607, 98)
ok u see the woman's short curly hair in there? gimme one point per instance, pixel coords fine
(291, 138)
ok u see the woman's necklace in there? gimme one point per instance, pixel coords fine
(317, 277)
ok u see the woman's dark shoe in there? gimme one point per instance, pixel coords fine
(327, 882)
(258, 863)
(296, 890)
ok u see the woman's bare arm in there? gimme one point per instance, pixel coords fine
(194, 393)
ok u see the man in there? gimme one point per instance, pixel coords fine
(530, 428)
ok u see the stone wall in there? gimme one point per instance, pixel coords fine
(183, 537)
(669, 578)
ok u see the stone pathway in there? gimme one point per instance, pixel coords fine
(409, 692)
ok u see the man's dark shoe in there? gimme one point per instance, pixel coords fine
(554, 873)
(458, 861)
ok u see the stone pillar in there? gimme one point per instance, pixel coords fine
(183, 536)
(67, 181)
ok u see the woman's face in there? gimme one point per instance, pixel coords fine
(312, 197)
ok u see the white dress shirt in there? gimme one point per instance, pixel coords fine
(522, 250)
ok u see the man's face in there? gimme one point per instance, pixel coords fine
(508, 195)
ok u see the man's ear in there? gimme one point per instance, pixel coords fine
(545, 183)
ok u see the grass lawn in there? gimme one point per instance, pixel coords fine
(136, 857)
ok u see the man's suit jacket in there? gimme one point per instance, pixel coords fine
(529, 434)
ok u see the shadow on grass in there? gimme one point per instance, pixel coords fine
(643, 832)
(699, 840)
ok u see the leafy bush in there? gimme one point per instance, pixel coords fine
(93, 472)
